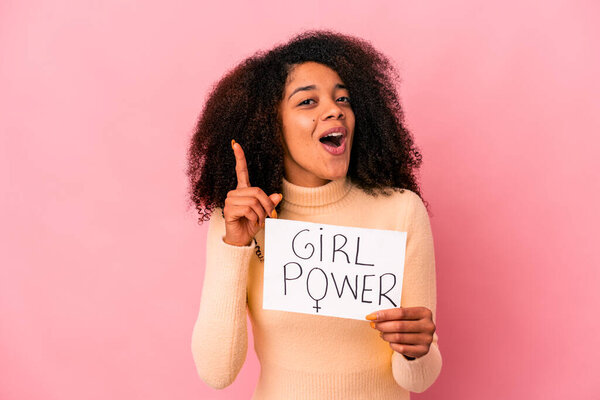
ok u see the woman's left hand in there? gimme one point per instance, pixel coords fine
(409, 330)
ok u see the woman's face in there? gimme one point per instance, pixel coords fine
(318, 125)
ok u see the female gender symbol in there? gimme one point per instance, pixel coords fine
(316, 307)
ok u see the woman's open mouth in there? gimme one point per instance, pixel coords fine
(334, 143)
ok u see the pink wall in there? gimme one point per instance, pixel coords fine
(102, 263)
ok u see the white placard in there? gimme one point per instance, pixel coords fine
(331, 270)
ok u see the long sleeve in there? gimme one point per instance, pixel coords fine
(419, 290)
(220, 337)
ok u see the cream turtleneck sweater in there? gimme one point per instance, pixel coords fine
(305, 356)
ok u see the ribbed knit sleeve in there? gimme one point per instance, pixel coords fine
(419, 290)
(220, 338)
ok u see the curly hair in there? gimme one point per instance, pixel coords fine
(243, 106)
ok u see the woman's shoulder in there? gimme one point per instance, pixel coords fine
(392, 197)
(216, 222)
(403, 207)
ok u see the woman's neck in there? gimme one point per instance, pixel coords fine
(307, 181)
(305, 199)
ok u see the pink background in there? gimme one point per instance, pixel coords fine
(102, 262)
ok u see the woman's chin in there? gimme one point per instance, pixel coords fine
(337, 174)
(316, 177)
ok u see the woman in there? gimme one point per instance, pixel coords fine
(311, 130)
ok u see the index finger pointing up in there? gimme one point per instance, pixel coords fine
(241, 169)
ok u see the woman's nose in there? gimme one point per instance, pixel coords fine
(333, 111)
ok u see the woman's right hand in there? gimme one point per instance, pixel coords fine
(246, 207)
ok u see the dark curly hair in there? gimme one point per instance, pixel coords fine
(243, 106)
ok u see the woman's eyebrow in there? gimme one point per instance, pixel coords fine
(312, 87)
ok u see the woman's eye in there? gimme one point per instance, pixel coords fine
(306, 102)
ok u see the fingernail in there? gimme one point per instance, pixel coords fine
(372, 316)
(372, 324)
(274, 214)
(262, 225)
(280, 196)
(232, 143)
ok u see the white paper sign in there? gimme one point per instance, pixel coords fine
(331, 270)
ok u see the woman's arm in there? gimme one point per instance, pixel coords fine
(220, 337)
(418, 290)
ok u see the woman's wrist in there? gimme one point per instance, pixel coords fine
(236, 244)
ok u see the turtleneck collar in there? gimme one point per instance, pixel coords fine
(305, 200)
